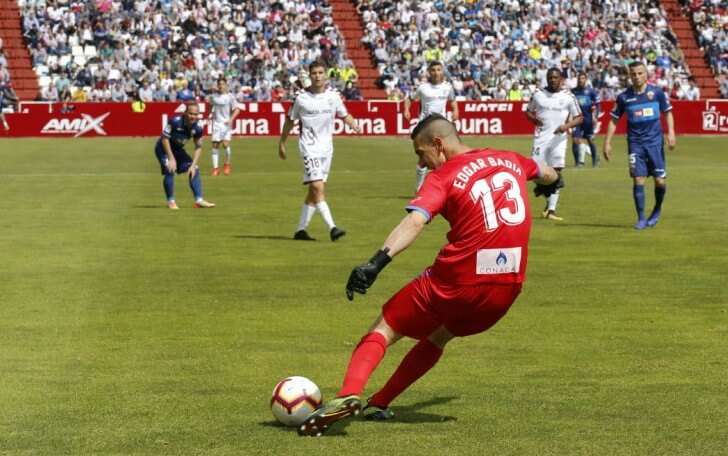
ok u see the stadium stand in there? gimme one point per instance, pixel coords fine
(180, 47)
(487, 46)
(346, 17)
(15, 54)
(376, 48)
(700, 28)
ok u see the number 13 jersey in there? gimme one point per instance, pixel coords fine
(484, 196)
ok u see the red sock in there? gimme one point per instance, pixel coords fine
(364, 360)
(420, 359)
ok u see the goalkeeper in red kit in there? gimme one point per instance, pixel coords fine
(474, 280)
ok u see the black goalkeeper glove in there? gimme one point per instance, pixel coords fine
(548, 190)
(364, 275)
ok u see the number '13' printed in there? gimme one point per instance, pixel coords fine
(483, 191)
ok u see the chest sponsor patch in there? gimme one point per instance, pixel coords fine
(646, 112)
(498, 261)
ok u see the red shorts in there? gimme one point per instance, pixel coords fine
(425, 304)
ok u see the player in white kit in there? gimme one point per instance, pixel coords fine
(554, 111)
(223, 112)
(315, 108)
(433, 95)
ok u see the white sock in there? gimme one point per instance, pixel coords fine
(227, 155)
(325, 212)
(421, 173)
(306, 216)
(553, 200)
(214, 157)
(582, 152)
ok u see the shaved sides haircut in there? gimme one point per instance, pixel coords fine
(434, 126)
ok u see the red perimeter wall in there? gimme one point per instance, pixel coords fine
(377, 118)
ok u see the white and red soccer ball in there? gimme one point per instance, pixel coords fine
(294, 399)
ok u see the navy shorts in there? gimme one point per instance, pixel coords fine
(584, 130)
(647, 161)
(183, 160)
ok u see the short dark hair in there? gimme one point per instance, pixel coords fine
(554, 69)
(635, 64)
(434, 63)
(429, 121)
(317, 64)
(581, 73)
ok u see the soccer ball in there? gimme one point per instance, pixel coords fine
(294, 399)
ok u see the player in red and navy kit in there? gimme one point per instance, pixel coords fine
(589, 102)
(172, 157)
(644, 104)
(476, 277)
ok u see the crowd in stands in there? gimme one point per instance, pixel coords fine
(173, 50)
(8, 98)
(502, 49)
(710, 22)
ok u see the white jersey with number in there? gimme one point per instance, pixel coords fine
(316, 113)
(554, 109)
(433, 98)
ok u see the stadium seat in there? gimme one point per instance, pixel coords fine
(89, 51)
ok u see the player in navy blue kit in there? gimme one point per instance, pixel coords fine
(170, 151)
(644, 104)
(589, 102)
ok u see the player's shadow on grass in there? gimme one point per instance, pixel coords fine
(408, 198)
(410, 414)
(260, 236)
(567, 224)
(598, 225)
(413, 414)
(338, 429)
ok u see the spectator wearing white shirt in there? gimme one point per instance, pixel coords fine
(118, 93)
(146, 92)
(50, 93)
(692, 93)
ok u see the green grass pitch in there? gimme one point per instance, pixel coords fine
(126, 328)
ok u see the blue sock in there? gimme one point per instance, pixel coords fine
(575, 151)
(659, 196)
(638, 191)
(196, 186)
(168, 184)
(595, 155)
